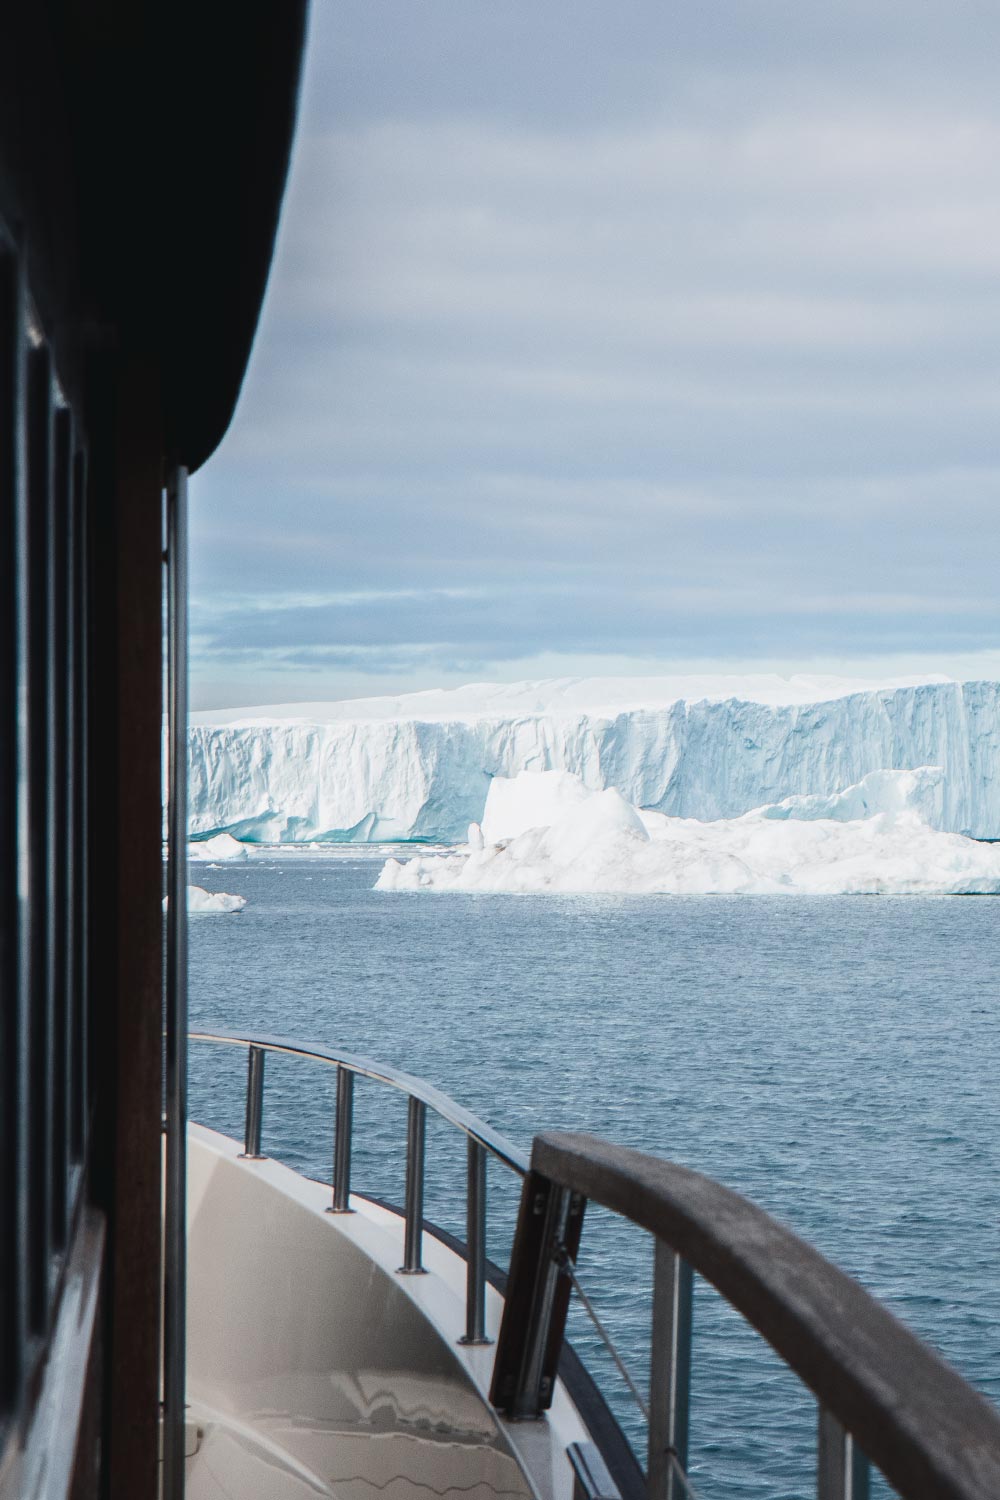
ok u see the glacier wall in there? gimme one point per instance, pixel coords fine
(367, 779)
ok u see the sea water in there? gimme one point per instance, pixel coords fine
(835, 1059)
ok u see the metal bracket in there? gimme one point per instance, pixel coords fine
(538, 1290)
(591, 1479)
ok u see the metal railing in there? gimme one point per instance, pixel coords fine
(882, 1394)
(482, 1141)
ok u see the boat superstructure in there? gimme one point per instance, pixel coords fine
(143, 152)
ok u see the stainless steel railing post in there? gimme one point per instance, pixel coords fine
(255, 1105)
(343, 1131)
(841, 1468)
(475, 1247)
(414, 1231)
(670, 1375)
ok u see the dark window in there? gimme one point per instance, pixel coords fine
(44, 725)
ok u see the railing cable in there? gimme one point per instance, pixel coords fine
(681, 1475)
(567, 1265)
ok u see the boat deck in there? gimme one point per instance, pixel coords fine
(316, 1368)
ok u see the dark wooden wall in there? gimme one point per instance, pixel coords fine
(128, 944)
(143, 152)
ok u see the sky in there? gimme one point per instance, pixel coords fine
(618, 338)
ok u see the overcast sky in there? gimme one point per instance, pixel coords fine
(619, 338)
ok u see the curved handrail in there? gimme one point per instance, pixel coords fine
(481, 1139)
(882, 1392)
(415, 1088)
(915, 1417)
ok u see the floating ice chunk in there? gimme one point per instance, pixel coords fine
(207, 903)
(222, 847)
(202, 903)
(604, 820)
(532, 799)
(808, 846)
(918, 791)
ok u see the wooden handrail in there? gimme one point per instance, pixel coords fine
(917, 1420)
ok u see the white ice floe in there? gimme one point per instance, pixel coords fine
(202, 903)
(870, 839)
(919, 791)
(533, 800)
(222, 847)
(420, 766)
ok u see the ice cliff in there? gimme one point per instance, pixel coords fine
(420, 766)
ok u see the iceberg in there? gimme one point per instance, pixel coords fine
(920, 790)
(515, 804)
(202, 903)
(211, 903)
(869, 839)
(421, 766)
(218, 849)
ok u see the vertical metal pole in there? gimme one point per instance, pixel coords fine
(81, 628)
(841, 1468)
(342, 1143)
(414, 1235)
(475, 1247)
(77, 752)
(255, 1105)
(670, 1374)
(860, 1471)
(175, 1226)
(15, 1121)
(59, 773)
(34, 848)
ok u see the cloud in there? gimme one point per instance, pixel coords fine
(691, 344)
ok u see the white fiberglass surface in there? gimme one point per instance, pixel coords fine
(315, 1368)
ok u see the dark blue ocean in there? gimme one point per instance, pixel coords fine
(835, 1059)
